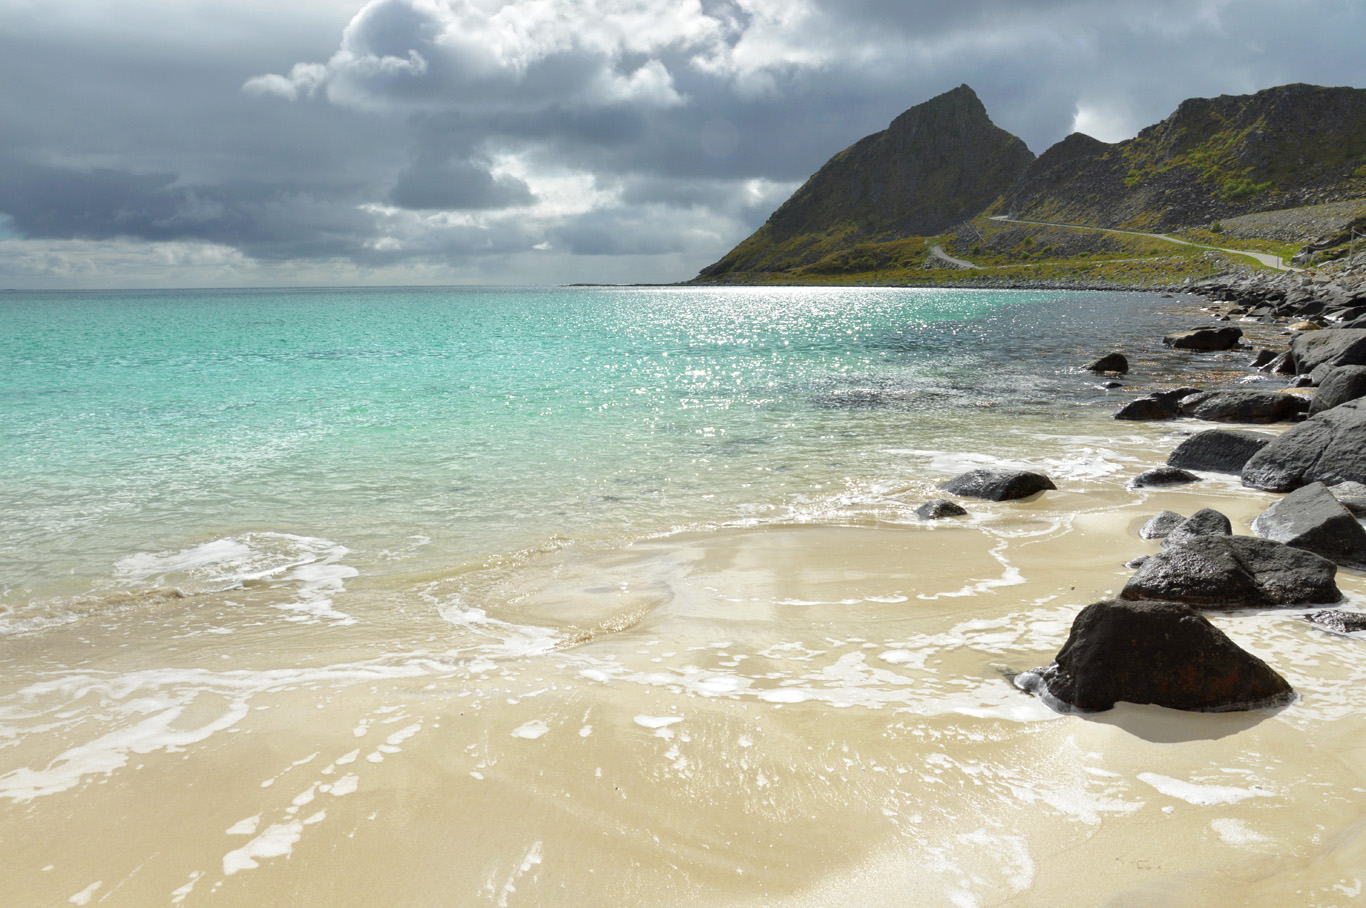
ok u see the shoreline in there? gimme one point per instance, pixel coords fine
(789, 712)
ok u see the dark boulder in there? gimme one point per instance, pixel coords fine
(1159, 653)
(1162, 476)
(1234, 572)
(1110, 362)
(1242, 406)
(1351, 495)
(1329, 447)
(1284, 364)
(1160, 525)
(1262, 357)
(1174, 396)
(1217, 451)
(1310, 518)
(1340, 622)
(1146, 408)
(1340, 385)
(1206, 522)
(998, 485)
(1205, 340)
(939, 508)
(1338, 347)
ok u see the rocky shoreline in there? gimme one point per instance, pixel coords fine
(1152, 643)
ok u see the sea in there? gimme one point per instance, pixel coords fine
(617, 596)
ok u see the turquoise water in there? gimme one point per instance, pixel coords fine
(423, 428)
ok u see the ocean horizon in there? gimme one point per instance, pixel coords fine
(529, 596)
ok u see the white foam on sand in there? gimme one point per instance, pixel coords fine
(1236, 832)
(312, 564)
(85, 895)
(531, 730)
(277, 841)
(1200, 795)
(645, 721)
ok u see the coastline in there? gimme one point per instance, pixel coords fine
(810, 710)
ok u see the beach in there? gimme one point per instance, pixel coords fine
(643, 621)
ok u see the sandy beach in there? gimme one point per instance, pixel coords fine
(810, 712)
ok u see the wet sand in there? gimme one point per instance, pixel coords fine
(803, 714)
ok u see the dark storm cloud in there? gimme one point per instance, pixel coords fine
(445, 134)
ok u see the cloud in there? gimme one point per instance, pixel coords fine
(543, 139)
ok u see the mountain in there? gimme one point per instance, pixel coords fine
(1213, 158)
(937, 164)
(943, 163)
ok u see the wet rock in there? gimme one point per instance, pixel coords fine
(1162, 476)
(1159, 653)
(1262, 357)
(1110, 362)
(1173, 397)
(939, 508)
(1113, 384)
(1339, 347)
(1145, 408)
(1234, 572)
(1204, 522)
(1217, 451)
(1340, 622)
(1310, 518)
(1329, 447)
(1242, 406)
(1284, 364)
(1351, 495)
(998, 485)
(1160, 525)
(1340, 385)
(1304, 326)
(1205, 340)
(1136, 563)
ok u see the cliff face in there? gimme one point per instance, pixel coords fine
(1213, 158)
(936, 165)
(944, 162)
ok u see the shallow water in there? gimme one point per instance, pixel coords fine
(613, 597)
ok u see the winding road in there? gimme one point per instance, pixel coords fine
(939, 253)
(1271, 261)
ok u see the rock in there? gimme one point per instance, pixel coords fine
(939, 508)
(1162, 476)
(1242, 406)
(1339, 347)
(1113, 384)
(1340, 385)
(1205, 340)
(1262, 357)
(1160, 525)
(998, 485)
(1217, 451)
(1284, 364)
(1204, 522)
(1173, 397)
(1339, 621)
(1136, 563)
(1329, 447)
(1146, 408)
(1159, 653)
(1110, 362)
(1234, 572)
(1351, 495)
(1310, 518)
(1304, 326)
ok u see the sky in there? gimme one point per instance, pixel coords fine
(208, 143)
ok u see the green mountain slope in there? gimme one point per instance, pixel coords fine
(936, 165)
(1213, 158)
